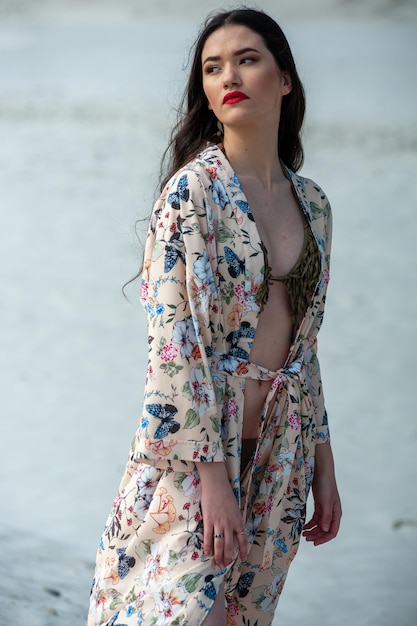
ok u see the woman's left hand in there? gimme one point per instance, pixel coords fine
(325, 522)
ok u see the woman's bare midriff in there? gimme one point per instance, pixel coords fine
(270, 349)
(280, 224)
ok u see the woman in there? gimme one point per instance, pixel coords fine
(233, 431)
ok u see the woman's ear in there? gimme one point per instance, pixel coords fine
(286, 83)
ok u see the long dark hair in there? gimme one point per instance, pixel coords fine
(197, 124)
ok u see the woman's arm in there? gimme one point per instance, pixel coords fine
(325, 522)
(221, 515)
(180, 419)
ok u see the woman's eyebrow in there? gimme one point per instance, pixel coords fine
(236, 54)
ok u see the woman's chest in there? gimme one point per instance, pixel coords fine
(280, 223)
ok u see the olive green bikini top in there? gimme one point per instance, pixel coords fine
(300, 282)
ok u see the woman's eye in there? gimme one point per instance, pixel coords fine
(212, 69)
(247, 60)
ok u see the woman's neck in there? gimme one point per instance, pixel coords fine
(254, 155)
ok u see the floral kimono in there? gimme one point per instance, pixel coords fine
(204, 264)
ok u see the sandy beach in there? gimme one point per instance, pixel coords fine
(87, 94)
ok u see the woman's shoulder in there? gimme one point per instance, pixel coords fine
(209, 164)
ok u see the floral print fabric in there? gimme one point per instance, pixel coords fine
(204, 265)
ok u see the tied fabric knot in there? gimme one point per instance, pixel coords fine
(235, 366)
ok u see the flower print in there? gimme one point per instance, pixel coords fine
(101, 599)
(272, 592)
(201, 390)
(110, 571)
(164, 511)
(251, 527)
(220, 196)
(296, 514)
(266, 562)
(247, 294)
(294, 421)
(116, 502)
(232, 607)
(284, 461)
(235, 316)
(203, 271)
(156, 571)
(277, 381)
(242, 368)
(168, 602)
(259, 508)
(191, 484)
(146, 481)
(168, 352)
(196, 353)
(281, 545)
(212, 172)
(326, 276)
(240, 293)
(184, 335)
(160, 447)
(154, 308)
(232, 407)
(311, 341)
(200, 293)
(144, 290)
(309, 470)
(227, 363)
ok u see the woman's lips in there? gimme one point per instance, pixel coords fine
(234, 96)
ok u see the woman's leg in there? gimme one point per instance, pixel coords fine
(217, 615)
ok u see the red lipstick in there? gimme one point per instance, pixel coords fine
(234, 96)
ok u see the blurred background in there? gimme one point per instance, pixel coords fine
(88, 91)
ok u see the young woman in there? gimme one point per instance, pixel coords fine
(233, 430)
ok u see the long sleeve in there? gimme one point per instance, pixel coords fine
(322, 211)
(180, 418)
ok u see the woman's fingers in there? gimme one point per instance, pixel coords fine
(208, 539)
(218, 542)
(229, 549)
(224, 544)
(242, 541)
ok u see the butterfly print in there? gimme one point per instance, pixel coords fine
(166, 415)
(209, 588)
(182, 193)
(234, 264)
(245, 330)
(173, 252)
(245, 208)
(125, 562)
(244, 583)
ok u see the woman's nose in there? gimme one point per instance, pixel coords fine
(231, 76)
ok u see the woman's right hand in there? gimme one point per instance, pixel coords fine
(221, 516)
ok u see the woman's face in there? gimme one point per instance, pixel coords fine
(241, 80)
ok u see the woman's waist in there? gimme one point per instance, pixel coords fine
(231, 363)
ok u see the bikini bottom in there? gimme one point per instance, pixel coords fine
(248, 450)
